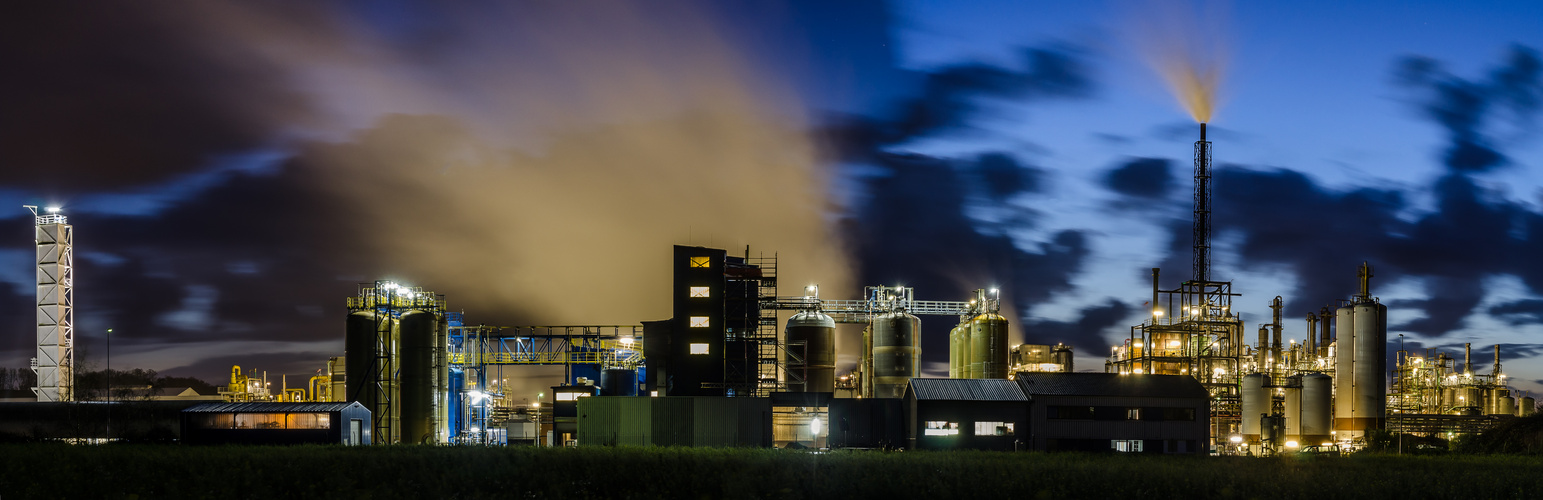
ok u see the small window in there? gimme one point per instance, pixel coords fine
(699, 322)
(571, 396)
(698, 348)
(698, 291)
(307, 421)
(940, 428)
(260, 421)
(1126, 445)
(993, 428)
(701, 262)
(1133, 414)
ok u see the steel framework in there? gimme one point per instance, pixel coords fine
(55, 361)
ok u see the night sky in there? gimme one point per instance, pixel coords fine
(234, 169)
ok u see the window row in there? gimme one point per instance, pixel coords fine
(946, 428)
(1149, 414)
(262, 421)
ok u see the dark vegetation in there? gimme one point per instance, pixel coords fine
(145, 471)
(91, 385)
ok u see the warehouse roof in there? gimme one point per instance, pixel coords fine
(268, 407)
(1111, 384)
(966, 389)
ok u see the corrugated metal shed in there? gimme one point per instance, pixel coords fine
(1111, 384)
(270, 407)
(949, 389)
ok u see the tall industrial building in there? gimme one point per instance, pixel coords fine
(720, 341)
(55, 361)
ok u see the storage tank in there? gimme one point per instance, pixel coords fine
(1063, 356)
(988, 346)
(416, 374)
(1526, 407)
(896, 353)
(1496, 402)
(361, 347)
(1344, 369)
(1292, 404)
(1256, 402)
(1505, 405)
(1448, 400)
(1371, 349)
(1471, 399)
(619, 382)
(817, 334)
(958, 351)
(1316, 392)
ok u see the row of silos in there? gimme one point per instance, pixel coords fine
(394, 366)
(1305, 403)
(978, 347)
(1360, 368)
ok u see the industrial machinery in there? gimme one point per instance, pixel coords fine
(1434, 395)
(1040, 358)
(54, 364)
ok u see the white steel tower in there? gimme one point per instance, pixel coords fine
(55, 361)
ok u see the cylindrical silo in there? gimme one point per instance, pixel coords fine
(1471, 399)
(866, 362)
(1496, 402)
(958, 353)
(896, 353)
(416, 365)
(1316, 392)
(619, 382)
(1292, 404)
(1526, 406)
(811, 336)
(988, 346)
(1256, 402)
(1505, 405)
(1371, 350)
(361, 346)
(1344, 370)
(1062, 355)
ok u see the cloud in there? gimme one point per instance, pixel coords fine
(1520, 312)
(1148, 178)
(123, 93)
(1086, 333)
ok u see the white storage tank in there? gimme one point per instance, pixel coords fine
(1255, 399)
(1316, 396)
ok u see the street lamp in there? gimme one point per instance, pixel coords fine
(109, 384)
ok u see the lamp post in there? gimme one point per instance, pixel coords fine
(109, 384)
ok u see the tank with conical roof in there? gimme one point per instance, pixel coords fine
(811, 352)
(896, 353)
(988, 346)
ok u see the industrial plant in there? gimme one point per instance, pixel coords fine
(740, 364)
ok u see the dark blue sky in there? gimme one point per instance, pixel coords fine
(234, 170)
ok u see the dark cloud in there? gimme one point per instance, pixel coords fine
(114, 93)
(1150, 178)
(1086, 333)
(1520, 312)
(1002, 176)
(912, 227)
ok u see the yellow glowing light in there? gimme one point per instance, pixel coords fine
(1156, 312)
(1291, 444)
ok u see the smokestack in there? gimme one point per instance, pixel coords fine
(1275, 325)
(1202, 230)
(1496, 373)
(1467, 358)
(1264, 347)
(1312, 334)
(1365, 273)
(1154, 295)
(1325, 315)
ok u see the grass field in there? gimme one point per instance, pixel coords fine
(170, 471)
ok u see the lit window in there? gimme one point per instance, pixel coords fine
(940, 428)
(993, 428)
(701, 262)
(1126, 445)
(698, 348)
(699, 291)
(1133, 414)
(699, 322)
(571, 396)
